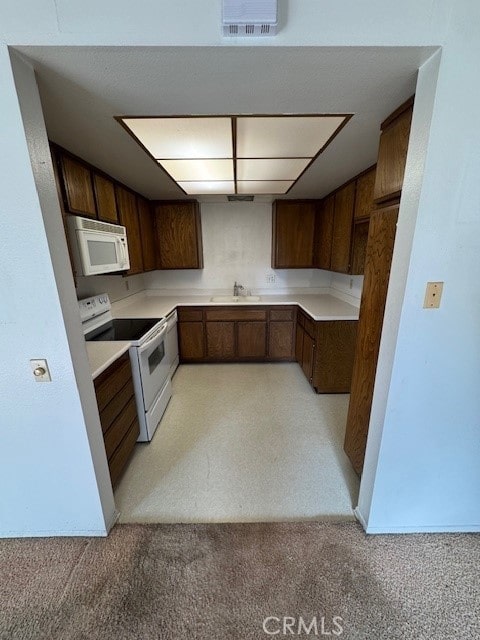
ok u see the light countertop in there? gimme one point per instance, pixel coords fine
(149, 305)
(102, 354)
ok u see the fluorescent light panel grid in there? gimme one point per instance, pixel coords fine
(271, 151)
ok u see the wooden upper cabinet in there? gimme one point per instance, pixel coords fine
(128, 214)
(342, 228)
(392, 153)
(364, 195)
(147, 233)
(293, 234)
(324, 232)
(77, 187)
(105, 199)
(178, 235)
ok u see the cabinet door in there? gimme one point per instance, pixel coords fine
(308, 356)
(392, 155)
(281, 340)
(179, 235)
(324, 233)
(299, 344)
(364, 195)
(293, 234)
(342, 228)
(359, 247)
(252, 340)
(381, 239)
(147, 234)
(191, 341)
(105, 199)
(128, 214)
(77, 187)
(220, 340)
(334, 353)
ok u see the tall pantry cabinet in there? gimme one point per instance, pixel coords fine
(392, 156)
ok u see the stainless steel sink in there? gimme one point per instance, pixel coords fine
(235, 299)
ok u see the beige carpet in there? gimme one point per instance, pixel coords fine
(242, 443)
(210, 582)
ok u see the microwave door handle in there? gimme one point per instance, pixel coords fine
(156, 338)
(121, 250)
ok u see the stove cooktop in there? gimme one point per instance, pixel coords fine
(123, 329)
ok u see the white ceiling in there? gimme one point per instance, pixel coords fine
(83, 88)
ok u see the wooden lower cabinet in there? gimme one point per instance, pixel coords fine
(334, 355)
(281, 340)
(252, 340)
(220, 338)
(118, 414)
(191, 341)
(236, 334)
(308, 356)
(325, 351)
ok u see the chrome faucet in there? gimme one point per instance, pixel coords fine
(236, 289)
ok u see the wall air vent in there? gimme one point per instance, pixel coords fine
(249, 18)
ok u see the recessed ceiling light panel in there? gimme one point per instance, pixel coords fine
(271, 168)
(284, 136)
(235, 154)
(194, 170)
(264, 186)
(213, 187)
(167, 138)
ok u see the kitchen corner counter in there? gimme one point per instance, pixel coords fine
(318, 306)
(102, 354)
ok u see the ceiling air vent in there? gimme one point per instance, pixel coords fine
(249, 18)
(240, 198)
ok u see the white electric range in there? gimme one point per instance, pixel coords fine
(151, 365)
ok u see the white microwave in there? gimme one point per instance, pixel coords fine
(97, 247)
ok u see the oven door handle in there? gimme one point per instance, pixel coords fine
(156, 338)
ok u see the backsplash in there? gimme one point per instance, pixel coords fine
(346, 287)
(237, 239)
(117, 287)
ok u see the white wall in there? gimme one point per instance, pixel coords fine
(426, 474)
(425, 450)
(237, 241)
(53, 471)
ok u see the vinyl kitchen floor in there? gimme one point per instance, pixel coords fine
(242, 443)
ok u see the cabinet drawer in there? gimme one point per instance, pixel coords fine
(119, 428)
(235, 314)
(117, 462)
(189, 315)
(116, 405)
(282, 314)
(109, 383)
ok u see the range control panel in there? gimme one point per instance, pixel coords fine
(94, 306)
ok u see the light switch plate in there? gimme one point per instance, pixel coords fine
(37, 366)
(433, 295)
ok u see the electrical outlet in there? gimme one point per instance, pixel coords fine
(351, 283)
(127, 284)
(433, 295)
(271, 278)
